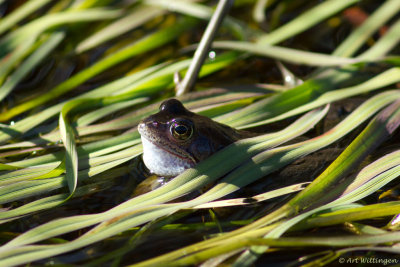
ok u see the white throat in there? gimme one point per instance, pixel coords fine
(162, 163)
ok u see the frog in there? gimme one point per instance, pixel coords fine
(175, 139)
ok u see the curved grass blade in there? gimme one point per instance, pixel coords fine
(275, 229)
(330, 184)
(31, 62)
(358, 37)
(21, 13)
(285, 54)
(102, 112)
(67, 133)
(38, 26)
(79, 242)
(155, 78)
(56, 200)
(381, 80)
(57, 171)
(305, 21)
(351, 214)
(7, 167)
(254, 199)
(23, 174)
(71, 155)
(20, 190)
(137, 17)
(304, 123)
(190, 8)
(11, 60)
(145, 44)
(384, 45)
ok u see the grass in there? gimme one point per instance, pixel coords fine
(67, 142)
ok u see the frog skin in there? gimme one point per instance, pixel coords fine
(175, 139)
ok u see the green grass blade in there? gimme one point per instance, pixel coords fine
(376, 20)
(230, 184)
(351, 214)
(31, 62)
(137, 17)
(67, 133)
(384, 44)
(109, 109)
(56, 200)
(37, 27)
(384, 79)
(254, 199)
(306, 20)
(330, 183)
(153, 79)
(375, 133)
(23, 189)
(285, 54)
(306, 122)
(21, 13)
(290, 103)
(190, 8)
(145, 44)
(10, 61)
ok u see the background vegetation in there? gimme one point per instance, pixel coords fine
(76, 77)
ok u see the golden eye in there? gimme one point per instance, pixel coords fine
(181, 131)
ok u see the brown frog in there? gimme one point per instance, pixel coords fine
(175, 139)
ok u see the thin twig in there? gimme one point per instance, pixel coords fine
(202, 50)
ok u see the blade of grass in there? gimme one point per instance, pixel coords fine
(348, 215)
(145, 44)
(137, 17)
(330, 183)
(358, 37)
(153, 79)
(30, 63)
(13, 59)
(56, 200)
(311, 119)
(285, 54)
(115, 226)
(269, 219)
(37, 27)
(254, 199)
(382, 80)
(21, 13)
(384, 44)
(305, 21)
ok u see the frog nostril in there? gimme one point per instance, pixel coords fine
(141, 127)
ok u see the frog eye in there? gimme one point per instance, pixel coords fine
(181, 131)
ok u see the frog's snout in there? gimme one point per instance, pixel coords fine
(141, 127)
(145, 126)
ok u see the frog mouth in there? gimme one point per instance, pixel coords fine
(173, 151)
(163, 162)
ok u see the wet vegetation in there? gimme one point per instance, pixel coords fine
(318, 81)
